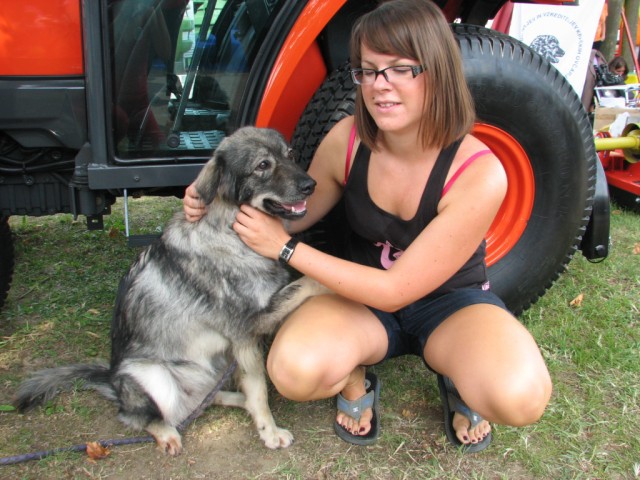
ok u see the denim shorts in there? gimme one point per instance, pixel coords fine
(409, 328)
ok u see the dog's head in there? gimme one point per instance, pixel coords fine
(549, 47)
(255, 166)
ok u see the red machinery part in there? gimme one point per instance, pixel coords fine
(621, 166)
(41, 37)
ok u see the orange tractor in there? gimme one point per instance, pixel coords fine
(104, 99)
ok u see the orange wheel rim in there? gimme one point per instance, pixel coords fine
(513, 216)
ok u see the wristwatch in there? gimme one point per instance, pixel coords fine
(287, 251)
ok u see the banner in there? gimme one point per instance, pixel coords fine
(562, 34)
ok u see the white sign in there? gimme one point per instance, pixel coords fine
(562, 34)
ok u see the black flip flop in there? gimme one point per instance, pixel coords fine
(451, 403)
(354, 410)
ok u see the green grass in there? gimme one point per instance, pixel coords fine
(59, 310)
(593, 353)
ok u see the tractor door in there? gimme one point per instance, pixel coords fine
(177, 71)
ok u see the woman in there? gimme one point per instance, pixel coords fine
(420, 194)
(618, 66)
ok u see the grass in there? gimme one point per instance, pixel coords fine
(59, 309)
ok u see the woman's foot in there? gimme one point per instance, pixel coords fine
(353, 390)
(463, 426)
(467, 435)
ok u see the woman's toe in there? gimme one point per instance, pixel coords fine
(353, 426)
(478, 433)
(460, 425)
(468, 435)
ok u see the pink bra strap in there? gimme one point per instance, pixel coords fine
(352, 139)
(462, 168)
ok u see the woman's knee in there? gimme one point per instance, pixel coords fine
(317, 348)
(521, 400)
(296, 374)
(502, 374)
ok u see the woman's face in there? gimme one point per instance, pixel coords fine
(619, 71)
(395, 105)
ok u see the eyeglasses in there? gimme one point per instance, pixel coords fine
(396, 74)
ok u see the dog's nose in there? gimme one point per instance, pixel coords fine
(307, 186)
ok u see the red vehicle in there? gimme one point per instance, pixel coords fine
(106, 98)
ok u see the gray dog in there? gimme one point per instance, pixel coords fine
(198, 298)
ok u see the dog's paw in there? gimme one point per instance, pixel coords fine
(166, 436)
(310, 287)
(171, 446)
(281, 438)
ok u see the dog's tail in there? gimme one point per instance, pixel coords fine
(46, 384)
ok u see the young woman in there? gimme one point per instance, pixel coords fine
(618, 66)
(420, 194)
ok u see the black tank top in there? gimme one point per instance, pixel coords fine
(377, 238)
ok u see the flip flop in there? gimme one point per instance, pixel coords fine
(451, 403)
(355, 408)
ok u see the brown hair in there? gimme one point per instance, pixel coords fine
(618, 62)
(417, 29)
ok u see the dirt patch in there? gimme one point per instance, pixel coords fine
(223, 443)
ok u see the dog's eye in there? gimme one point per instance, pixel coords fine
(263, 165)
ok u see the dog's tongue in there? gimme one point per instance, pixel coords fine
(296, 207)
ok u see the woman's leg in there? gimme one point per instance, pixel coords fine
(496, 366)
(319, 350)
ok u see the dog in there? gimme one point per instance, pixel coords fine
(196, 299)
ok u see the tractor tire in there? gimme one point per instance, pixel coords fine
(6, 259)
(534, 122)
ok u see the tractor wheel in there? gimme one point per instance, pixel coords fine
(532, 119)
(6, 259)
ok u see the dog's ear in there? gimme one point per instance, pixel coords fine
(208, 181)
(214, 179)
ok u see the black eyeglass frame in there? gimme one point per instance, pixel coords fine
(415, 71)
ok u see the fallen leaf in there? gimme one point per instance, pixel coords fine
(113, 232)
(636, 249)
(577, 302)
(97, 451)
(93, 311)
(406, 413)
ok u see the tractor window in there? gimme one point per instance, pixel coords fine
(179, 68)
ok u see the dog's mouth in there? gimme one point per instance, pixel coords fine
(286, 210)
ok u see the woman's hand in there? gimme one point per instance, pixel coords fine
(193, 206)
(262, 233)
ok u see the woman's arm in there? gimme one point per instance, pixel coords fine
(465, 214)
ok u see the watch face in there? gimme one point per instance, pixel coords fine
(287, 251)
(285, 254)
